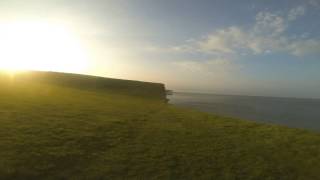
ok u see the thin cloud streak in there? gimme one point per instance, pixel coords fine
(266, 35)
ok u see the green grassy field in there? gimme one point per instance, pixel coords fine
(77, 130)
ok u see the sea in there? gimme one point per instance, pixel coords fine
(291, 112)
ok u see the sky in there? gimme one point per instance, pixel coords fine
(247, 47)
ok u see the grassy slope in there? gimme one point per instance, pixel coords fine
(54, 131)
(94, 83)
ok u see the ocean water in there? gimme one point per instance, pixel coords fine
(292, 112)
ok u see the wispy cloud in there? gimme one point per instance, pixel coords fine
(211, 73)
(211, 66)
(314, 3)
(304, 47)
(266, 35)
(296, 12)
(269, 23)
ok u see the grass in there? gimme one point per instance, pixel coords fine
(53, 130)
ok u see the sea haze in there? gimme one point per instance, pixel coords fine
(292, 112)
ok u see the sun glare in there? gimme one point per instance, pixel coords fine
(40, 46)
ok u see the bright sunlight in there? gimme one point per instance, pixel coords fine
(40, 46)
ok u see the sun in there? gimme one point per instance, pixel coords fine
(40, 46)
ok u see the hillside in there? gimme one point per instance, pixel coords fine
(94, 83)
(64, 126)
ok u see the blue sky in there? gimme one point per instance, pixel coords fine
(248, 47)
